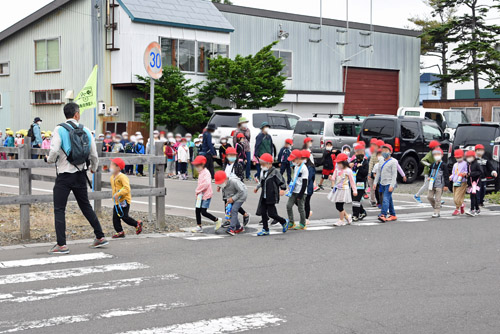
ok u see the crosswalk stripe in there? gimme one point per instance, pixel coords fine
(207, 237)
(45, 294)
(235, 324)
(11, 327)
(70, 272)
(319, 228)
(54, 260)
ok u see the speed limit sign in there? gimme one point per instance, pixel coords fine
(152, 60)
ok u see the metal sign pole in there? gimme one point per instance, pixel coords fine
(151, 143)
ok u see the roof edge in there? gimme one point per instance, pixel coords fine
(311, 19)
(45, 10)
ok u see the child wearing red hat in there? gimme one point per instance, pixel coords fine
(298, 189)
(283, 160)
(487, 170)
(341, 194)
(458, 178)
(183, 158)
(120, 188)
(375, 145)
(204, 194)
(234, 193)
(439, 181)
(311, 170)
(387, 178)
(427, 161)
(473, 182)
(359, 166)
(328, 162)
(240, 150)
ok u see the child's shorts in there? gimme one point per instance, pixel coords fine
(326, 173)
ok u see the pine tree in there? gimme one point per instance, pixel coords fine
(175, 101)
(475, 57)
(250, 82)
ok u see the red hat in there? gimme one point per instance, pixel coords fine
(240, 135)
(329, 142)
(433, 144)
(437, 150)
(387, 146)
(231, 150)
(341, 157)
(199, 160)
(307, 140)
(479, 147)
(470, 153)
(294, 155)
(374, 141)
(220, 177)
(184, 139)
(360, 145)
(119, 162)
(162, 132)
(380, 143)
(458, 153)
(289, 141)
(266, 157)
(305, 154)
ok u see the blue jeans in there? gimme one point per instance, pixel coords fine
(387, 203)
(249, 164)
(257, 174)
(235, 224)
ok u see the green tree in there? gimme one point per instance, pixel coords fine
(435, 39)
(250, 82)
(475, 57)
(175, 100)
(226, 2)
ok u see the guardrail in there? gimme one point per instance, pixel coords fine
(25, 164)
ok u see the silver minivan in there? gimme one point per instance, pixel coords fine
(341, 130)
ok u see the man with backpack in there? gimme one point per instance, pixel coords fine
(73, 149)
(36, 135)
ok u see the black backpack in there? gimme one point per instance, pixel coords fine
(31, 133)
(80, 144)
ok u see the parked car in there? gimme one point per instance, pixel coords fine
(409, 137)
(467, 136)
(282, 125)
(447, 119)
(341, 130)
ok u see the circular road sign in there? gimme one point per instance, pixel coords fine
(152, 60)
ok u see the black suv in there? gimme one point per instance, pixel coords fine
(467, 136)
(409, 137)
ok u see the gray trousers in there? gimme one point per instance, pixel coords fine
(235, 223)
(424, 187)
(294, 200)
(434, 198)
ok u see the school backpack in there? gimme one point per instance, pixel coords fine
(79, 150)
(129, 147)
(31, 133)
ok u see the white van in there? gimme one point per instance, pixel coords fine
(282, 125)
(447, 119)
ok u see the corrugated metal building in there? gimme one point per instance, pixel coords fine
(46, 58)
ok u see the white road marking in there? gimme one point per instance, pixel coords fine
(318, 228)
(54, 260)
(413, 220)
(45, 294)
(208, 237)
(236, 324)
(36, 189)
(10, 327)
(366, 224)
(70, 272)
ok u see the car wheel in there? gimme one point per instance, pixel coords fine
(410, 167)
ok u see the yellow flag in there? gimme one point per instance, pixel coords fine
(87, 98)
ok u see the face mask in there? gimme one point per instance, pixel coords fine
(223, 141)
(360, 156)
(460, 159)
(309, 145)
(141, 141)
(438, 157)
(112, 170)
(346, 152)
(39, 123)
(125, 138)
(199, 168)
(329, 148)
(480, 153)
(265, 130)
(198, 145)
(470, 160)
(223, 185)
(386, 155)
(189, 138)
(265, 169)
(183, 144)
(243, 126)
(108, 137)
(231, 159)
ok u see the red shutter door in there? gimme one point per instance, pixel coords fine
(371, 91)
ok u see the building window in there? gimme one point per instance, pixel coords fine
(207, 51)
(42, 97)
(4, 68)
(47, 55)
(286, 56)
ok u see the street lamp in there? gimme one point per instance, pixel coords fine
(282, 34)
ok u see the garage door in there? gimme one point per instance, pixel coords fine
(371, 91)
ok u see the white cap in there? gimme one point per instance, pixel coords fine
(200, 136)
(139, 137)
(178, 135)
(172, 140)
(197, 140)
(156, 132)
(133, 138)
(124, 133)
(188, 135)
(170, 135)
(138, 133)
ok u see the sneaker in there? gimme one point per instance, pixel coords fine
(382, 218)
(316, 188)
(347, 219)
(442, 201)
(138, 228)
(362, 215)
(285, 226)
(226, 224)
(59, 250)
(478, 211)
(262, 233)
(197, 229)
(99, 243)
(355, 219)
(436, 215)
(246, 219)
(239, 230)
(471, 213)
(373, 204)
(300, 227)
(379, 206)
(417, 199)
(291, 225)
(321, 187)
(365, 196)
(230, 232)
(118, 235)
(218, 224)
(391, 218)
(456, 212)
(339, 223)
(462, 209)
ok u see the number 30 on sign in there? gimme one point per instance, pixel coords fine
(152, 60)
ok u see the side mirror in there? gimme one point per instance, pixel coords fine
(444, 125)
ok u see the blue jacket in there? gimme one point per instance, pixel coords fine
(139, 148)
(284, 154)
(38, 135)
(207, 147)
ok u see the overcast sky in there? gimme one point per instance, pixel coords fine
(392, 13)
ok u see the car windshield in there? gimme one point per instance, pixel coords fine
(455, 117)
(309, 128)
(225, 120)
(378, 128)
(472, 135)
